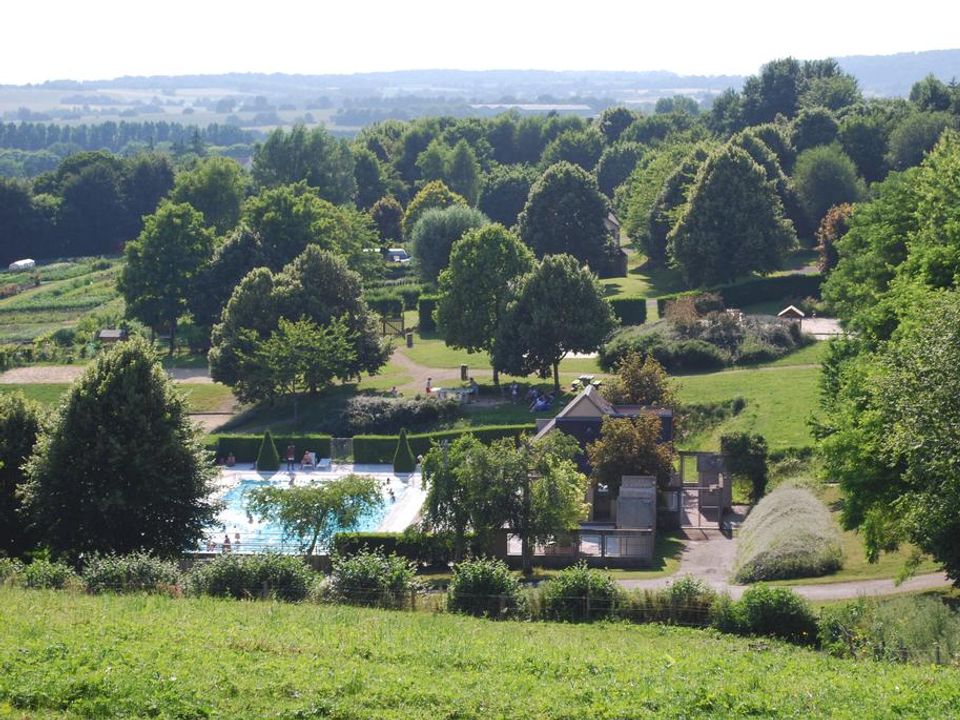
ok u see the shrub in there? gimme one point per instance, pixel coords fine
(372, 578)
(630, 310)
(366, 413)
(753, 352)
(43, 574)
(674, 355)
(788, 534)
(267, 457)
(269, 575)
(136, 572)
(485, 587)
(10, 569)
(425, 307)
(580, 594)
(776, 612)
(403, 459)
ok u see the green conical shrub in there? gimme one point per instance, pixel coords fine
(403, 459)
(268, 458)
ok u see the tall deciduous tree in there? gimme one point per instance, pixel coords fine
(453, 495)
(535, 489)
(20, 425)
(823, 177)
(733, 222)
(387, 215)
(433, 195)
(640, 381)
(121, 467)
(312, 156)
(435, 233)
(163, 264)
(462, 172)
(558, 308)
(485, 265)
(629, 446)
(311, 515)
(317, 286)
(504, 193)
(565, 214)
(215, 187)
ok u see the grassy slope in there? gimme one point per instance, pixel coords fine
(69, 655)
(781, 397)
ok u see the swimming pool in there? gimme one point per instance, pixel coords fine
(256, 536)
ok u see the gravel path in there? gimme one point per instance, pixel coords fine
(712, 560)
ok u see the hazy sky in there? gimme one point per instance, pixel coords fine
(94, 39)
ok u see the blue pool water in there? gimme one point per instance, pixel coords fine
(256, 536)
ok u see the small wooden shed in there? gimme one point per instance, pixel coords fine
(791, 312)
(109, 336)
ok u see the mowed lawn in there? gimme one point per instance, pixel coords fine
(780, 400)
(201, 397)
(76, 655)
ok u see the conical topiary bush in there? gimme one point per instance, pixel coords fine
(403, 459)
(268, 458)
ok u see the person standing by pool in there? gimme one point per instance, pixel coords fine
(291, 457)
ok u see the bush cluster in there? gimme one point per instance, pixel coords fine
(686, 601)
(485, 588)
(579, 594)
(372, 578)
(372, 414)
(46, 575)
(675, 355)
(136, 572)
(785, 289)
(270, 575)
(768, 611)
(789, 534)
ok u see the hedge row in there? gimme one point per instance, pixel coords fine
(630, 310)
(246, 447)
(423, 548)
(391, 301)
(425, 308)
(756, 290)
(380, 449)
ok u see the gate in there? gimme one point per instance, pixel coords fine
(341, 450)
(392, 325)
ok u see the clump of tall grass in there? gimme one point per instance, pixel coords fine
(912, 628)
(789, 534)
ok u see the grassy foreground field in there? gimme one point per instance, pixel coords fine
(201, 397)
(71, 655)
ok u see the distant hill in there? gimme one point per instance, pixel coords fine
(893, 75)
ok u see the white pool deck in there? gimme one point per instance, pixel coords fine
(401, 514)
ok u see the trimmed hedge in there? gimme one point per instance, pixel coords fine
(410, 294)
(756, 290)
(386, 304)
(425, 307)
(380, 449)
(630, 310)
(431, 549)
(246, 447)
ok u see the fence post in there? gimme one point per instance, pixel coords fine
(503, 604)
(589, 613)
(413, 599)
(936, 652)
(903, 651)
